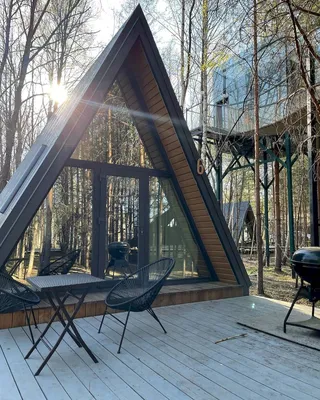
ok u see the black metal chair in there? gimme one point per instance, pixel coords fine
(11, 266)
(138, 291)
(61, 265)
(15, 296)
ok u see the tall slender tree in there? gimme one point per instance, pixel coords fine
(257, 154)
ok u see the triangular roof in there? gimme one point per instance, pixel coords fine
(131, 58)
(238, 215)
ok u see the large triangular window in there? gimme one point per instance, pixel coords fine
(112, 136)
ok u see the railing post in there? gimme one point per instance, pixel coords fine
(219, 178)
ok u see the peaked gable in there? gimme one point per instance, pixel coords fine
(132, 59)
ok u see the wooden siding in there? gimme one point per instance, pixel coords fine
(140, 68)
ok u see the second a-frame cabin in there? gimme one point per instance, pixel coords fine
(124, 168)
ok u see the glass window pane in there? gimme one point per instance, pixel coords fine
(68, 227)
(112, 136)
(122, 214)
(170, 234)
(72, 215)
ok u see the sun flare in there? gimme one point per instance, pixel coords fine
(58, 93)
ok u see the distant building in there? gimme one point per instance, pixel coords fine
(231, 105)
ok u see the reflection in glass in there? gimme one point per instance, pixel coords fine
(67, 227)
(122, 213)
(112, 136)
(170, 234)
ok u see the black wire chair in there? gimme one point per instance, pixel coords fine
(61, 265)
(12, 265)
(15, 296)
(138, 291)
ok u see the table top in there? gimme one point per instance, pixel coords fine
(76, 281)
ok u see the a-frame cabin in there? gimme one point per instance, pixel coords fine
(133, 63)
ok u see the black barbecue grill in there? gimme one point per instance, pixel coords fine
(119, 252)
(306, 264)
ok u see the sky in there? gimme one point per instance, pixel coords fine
(105, 23)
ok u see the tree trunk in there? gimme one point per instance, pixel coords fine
(204, 81)
(257, 153)
(35, 233)
(182, 49)
(285, 253)
(12, 124)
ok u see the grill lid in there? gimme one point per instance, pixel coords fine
(307, 255)
(119, 250)
(306, 263)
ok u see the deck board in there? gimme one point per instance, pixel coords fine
(27, 386)
(49, 384)
(256, 355)
(184, 364)
(97, 387)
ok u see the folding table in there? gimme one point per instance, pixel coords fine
(58, 288)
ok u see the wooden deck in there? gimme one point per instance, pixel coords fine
(94, 302)
(184, 364)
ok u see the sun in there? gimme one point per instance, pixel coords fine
(58, 93)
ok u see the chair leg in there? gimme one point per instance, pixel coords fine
(153, 314)
(104, 314)
(313, 304)
(29, 326)
(124, 330)
(34, 318)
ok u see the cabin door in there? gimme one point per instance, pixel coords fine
(122, 239)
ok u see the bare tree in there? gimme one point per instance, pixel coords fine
(72, 41)
(32, 18)
(257, 149)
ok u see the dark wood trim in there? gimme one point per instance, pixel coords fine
(102, 223)
(117, 170)
(144, 212)
(96, 188)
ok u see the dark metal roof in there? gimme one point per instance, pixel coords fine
(33, 179)
(237, 216)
